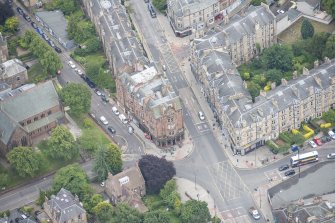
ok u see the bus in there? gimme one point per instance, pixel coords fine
(304, 158)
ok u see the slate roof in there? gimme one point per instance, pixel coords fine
(27, 220)
(11, 68)
(186, 7)
(313, 3)
(130, 178)
(36, 100)
(7, 127)
(65, 206)
(4, 220)
(118, 33)
(56, 21)
(151, 89)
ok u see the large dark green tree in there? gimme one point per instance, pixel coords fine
(104, 211)
(156, 172)
(107, 159)
(25, 160)
(160, 5)
(67, 7)
(125, 214)
(317, 45)
(195, 211)
(77, 97)
(73, 178)
(257, 2)
(278, 57)
(329, 50)
(307, 29)
(158, 216)
(329, 6)
(61, 144)
(274, 75)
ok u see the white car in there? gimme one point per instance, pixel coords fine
(331, 156)
(102, 183)
(103, 120)
(80, 72)
(115, 111)
(331, 134)
(201, 116)
(312, 144)
(254, 213)
(72, 65)
(97, 92)
(282, 11)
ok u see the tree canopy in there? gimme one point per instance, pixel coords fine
(278, 57)
(103, 211)
(307, 29)
(125, 214)
(25, 160)
(170, 195)
(329, 50)
(156, 172)
(158, 216)
(257, 2)
(107, 159)
(78, 97)
(12, 24)
(329, 6)
(195, 211)
(72, 178)
(61, 144)
(160, 5)
(67, 7)
(79, 28)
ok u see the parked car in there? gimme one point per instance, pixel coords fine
(115, 111)
(331, 156)
(97, 92)
(254, 213)
(57, 49)
(39, 31)
(164, 67)
(312, 144)
(92, 115)
(71, 64)
(289, 173)
(283, 167)
(103, 120)
(19, 10)
(89, 82)
(331, 134)
(201, 115)
(34, 25)
(325, 139)
(51, 43)
(317, 141)
(104, 99)
(45, 37)
(130, 130)
(111, 129)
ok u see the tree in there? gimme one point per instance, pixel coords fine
(67, 7)
(254, 89)
(125, 214)
(92, 202)
(274, 75)
(107, 159)
(61, 144)
(78, 97)
(6, 11)
(72, 178)
(168, 188)
(278, 57)
(4, 180)
(25, 160)
(195, 211)
(317, 45)
(12, 24)
(160, 5)
(307, 29)
(170, 195)
(329, 50)
(257, 2)
(103, 211)
(156, 172)
(158, 216)
(329, 6)
(329, 116)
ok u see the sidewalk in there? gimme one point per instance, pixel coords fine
(189, 190)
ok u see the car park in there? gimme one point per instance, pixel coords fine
(111, 129)
(331, 156)
(201, 115)
(289, 173)
(103, 120)
(312, 144)
(254, 213)
(115, 111)
(317, 141)
(34, 25)
(283, 167)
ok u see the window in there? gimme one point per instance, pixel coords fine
(18, 78)
(35, 119)
(28, 121)
(43, 115)
(49, 112)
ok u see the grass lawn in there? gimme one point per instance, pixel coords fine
(37, 74)
(292, 34)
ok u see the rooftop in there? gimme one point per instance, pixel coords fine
(11, 68)
(183, 8)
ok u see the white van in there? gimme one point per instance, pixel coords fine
(104, 120)
(123, 118)
(115, 111)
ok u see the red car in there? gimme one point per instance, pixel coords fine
(317, 141)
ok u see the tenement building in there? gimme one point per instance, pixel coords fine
(155, 107)
(249, 124)
(123, 51)
(189, 16)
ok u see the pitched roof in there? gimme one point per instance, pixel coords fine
(186, 7)
(11, 68)
(312, 3)
(7, 127)
(130, 178)
(40, 98)
(65, 206)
